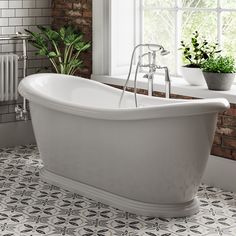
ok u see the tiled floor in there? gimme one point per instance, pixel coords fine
(29, 206)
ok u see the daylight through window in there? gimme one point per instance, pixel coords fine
(170, 21)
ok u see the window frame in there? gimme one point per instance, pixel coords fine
(178, 10)
(103, 33)
(109, 55)
(102, 67)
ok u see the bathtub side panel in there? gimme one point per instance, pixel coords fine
(156, 160)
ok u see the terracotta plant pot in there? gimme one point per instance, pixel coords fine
(219, 81)
(193, 76)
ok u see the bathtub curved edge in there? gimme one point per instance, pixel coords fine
(178, 108)
(122, 203)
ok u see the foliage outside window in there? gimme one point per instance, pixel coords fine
(170, 21)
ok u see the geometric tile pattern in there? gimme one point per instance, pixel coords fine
(31, 207)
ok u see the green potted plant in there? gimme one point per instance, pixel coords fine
(194, 54)
(219, 72)
(62, 47)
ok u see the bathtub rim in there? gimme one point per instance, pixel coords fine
(178, 108)
(140, 208)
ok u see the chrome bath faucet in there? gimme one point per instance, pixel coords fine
(152, 66)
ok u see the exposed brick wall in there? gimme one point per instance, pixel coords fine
(79, 14)
(225, 137)
(224, 144)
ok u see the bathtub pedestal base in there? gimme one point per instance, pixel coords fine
(140, 208)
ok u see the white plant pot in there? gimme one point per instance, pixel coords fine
(193, 76)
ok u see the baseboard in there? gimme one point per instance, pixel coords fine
(16, 133)
(220, 172)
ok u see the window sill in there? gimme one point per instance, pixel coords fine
(179, 86)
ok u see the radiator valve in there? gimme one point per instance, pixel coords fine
(21, 113)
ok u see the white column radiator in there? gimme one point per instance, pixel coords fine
(8, 77)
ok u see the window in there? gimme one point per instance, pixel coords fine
(170, 21)
(120, 25)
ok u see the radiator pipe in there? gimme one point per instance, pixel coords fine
(25, 113)
(21, 111)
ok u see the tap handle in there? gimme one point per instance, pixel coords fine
(167, 75)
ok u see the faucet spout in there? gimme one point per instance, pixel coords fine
(167, 83)
(167, 74)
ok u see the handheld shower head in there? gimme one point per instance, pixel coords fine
(164, 52)
(157, 47)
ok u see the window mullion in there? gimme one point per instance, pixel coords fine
(219, 23)
(178, 35)
(141, 25)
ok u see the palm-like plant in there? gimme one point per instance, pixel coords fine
(62, 47)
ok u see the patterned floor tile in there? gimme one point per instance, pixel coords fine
(31, 207)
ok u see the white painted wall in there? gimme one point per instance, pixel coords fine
(220, 172)
(114, 35)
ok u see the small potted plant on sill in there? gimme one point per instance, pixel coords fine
(219, 72)
(194, 54)
(62, 47)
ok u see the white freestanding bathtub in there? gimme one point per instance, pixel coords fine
(147, 160)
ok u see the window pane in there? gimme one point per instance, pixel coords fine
(159, 28)
(159, 3)
(229, 33)
(228, 4)
(204, 22)
(199, 3)
(159, 24)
